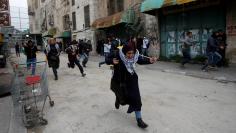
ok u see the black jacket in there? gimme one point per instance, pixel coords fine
(53, 56)
(122, 78)
(212, 45)
(30, 51)
(72, 52)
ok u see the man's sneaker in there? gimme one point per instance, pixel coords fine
(83, 75)
(141, 123)
(83, 64)
(213, 68)
(117, 104)
(68, 64)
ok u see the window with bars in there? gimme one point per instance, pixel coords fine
(36, 4)
(111, 7)
(86, 17)
(66, 22)
(73, 2)
(74, 20)
(119, 5)
(115, 6)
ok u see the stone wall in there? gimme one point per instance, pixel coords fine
(231, 31)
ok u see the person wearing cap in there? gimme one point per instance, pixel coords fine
(124, 82)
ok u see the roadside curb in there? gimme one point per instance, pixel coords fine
(222, 79)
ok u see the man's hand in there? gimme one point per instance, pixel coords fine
(222, 47)
(115, 61)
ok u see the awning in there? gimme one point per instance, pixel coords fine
(148, 6)
(50, 33)
(120, 17)
(66, 34)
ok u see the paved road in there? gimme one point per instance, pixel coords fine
(172, 103)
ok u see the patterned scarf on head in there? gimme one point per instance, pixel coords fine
(129, 63)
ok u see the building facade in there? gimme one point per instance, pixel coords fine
(201, 17)
(90, 19)
(122, 19)
(50, 18)
(82, 13)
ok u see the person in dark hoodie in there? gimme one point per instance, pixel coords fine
(222, 47)
(73, 53)
(124, 82)
(213, 57)
(52, 53)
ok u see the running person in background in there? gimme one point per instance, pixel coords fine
(73, 53)
(52, 53)
(213, 57)
(186, 48)
(17, 48)
(30, 52)
(107, 49)
(87, 49)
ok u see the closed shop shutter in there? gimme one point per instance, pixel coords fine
(201, 22)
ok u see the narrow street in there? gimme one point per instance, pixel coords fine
(189, 88)
(172, 103)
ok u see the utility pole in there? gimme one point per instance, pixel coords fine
(20, 19)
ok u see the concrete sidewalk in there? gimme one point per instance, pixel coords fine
(9, 122)
(224, 74)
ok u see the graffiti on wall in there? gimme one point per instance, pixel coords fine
(171, 50)
(200, 38)
(171, 39)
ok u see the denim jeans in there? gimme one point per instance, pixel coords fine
(212, 59)
(103, 62)
(217, 58)
(84, 57)
(79, 66)
(144, 51)
(31, 64)
(186, 57)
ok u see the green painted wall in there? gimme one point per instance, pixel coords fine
(200, 22)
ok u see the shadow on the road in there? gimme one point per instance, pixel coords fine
(5, 95)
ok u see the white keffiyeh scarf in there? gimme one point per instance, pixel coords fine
(129, 63)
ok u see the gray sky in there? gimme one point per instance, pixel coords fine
(19, 14)
(18, 3)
